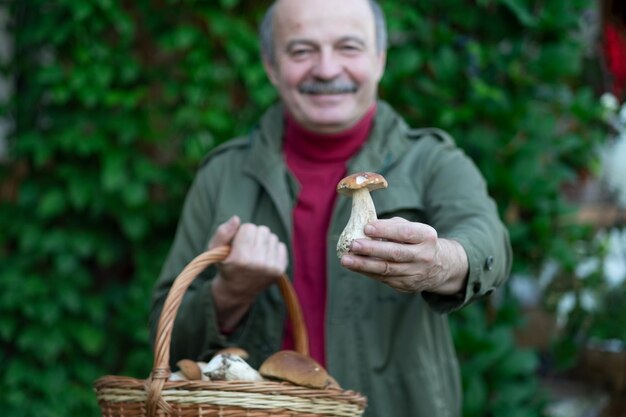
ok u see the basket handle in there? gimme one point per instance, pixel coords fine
(161, 369)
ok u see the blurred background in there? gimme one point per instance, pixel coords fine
(108, 106)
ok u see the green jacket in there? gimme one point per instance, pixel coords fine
(393, 347)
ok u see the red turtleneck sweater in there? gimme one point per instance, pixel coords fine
(319, 162)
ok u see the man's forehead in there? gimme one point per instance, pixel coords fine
(301, 15)
(311, 5)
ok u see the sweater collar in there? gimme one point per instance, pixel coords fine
(304, 144)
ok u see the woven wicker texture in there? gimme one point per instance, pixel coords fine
(120, 396)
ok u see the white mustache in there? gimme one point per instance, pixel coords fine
(327, 87)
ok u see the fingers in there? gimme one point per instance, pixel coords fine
(400, 230)
(395, 241)
(225, 232)
(260, 249)
(389, 259)
(396, 275)
(379, 267)
(254, 246)
(390, 251)
(399, 253)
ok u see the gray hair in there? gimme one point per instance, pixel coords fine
(266, 31)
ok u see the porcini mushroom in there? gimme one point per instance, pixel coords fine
(234, 350)
(358, 186)
(190, 370)
(228, 367)
(294, 367)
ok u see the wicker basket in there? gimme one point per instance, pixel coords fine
(120, 396)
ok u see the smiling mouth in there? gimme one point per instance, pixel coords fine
(324, 87)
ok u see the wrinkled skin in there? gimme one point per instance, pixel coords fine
(409, 257)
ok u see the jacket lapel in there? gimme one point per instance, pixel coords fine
(267, 166)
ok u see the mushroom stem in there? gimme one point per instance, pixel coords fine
(358, 186)
(363, 212)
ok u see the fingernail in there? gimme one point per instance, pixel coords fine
(355, 246)
(369, 229)
(347, 260)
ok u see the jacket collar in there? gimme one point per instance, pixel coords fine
(384, 145)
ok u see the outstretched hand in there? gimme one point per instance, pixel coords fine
(409, 257)
(257, 259)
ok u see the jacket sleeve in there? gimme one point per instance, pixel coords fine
(459, 207)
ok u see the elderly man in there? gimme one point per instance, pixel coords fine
(376, 317)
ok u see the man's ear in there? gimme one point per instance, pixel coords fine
(382, 61)
(271, 71)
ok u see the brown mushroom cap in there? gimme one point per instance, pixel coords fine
(235, 351)
(369, 180)
(332, 383)
(190, 369)
(294, 367)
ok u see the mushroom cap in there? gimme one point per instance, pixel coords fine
(360, 180)
(332, 383)
(190, 369)
(294, 367)
(235, 351)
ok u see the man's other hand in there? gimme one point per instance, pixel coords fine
(257, 260)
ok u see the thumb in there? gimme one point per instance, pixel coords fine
(225, 232)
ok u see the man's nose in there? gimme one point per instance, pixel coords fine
(327, 66)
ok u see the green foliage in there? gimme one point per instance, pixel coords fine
(590, 304)
(118, 102)
(498, 377)
(505, 78)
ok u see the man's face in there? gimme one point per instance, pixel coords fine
(326, 68)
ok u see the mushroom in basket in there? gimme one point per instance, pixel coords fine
(229, 365)
(299, 369)
(188, 371)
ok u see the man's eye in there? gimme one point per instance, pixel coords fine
(350, 48)
(299, 52)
